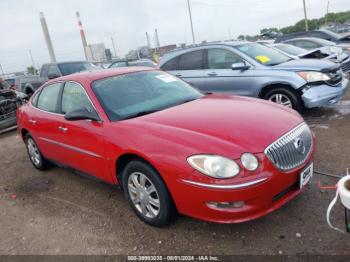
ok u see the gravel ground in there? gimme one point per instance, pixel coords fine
(60, 212)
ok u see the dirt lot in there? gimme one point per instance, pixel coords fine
(59, 212)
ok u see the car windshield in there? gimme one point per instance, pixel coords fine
(263, 54)
(135, 94)
(290, 49)
(75, 67)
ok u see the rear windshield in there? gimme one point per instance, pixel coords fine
(76, 67)
(263, 54)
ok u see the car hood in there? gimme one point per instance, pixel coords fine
(250, 124)
(308, 65)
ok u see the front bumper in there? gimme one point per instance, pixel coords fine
(324, 95)
(259, 199)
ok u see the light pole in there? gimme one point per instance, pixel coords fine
(190, 14)
(305, 15)
(327, 12)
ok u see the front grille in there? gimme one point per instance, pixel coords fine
(335, 77)
(345, 66)
(292, 149)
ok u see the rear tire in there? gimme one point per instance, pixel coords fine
(35, 156)
(285, 97)
(147, 194)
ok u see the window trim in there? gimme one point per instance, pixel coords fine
(82, 87)
(41, 90)
(59, 101)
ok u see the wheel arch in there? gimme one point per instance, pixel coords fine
(270, 86)
(122, 161)
(24, 132)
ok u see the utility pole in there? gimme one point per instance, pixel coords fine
(305, 15)
(190, 14)
(115, 53)
(32, 59)
(327, 12)
(47, 37)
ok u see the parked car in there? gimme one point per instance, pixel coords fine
(171, 148)
(253, 69)
(311, 43)
(9, 102)
(322, 33)
(54, 70)
(140, 62)
(333, 53)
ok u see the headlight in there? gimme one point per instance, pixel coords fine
(249, 161)
(214, 166)
(312, 76)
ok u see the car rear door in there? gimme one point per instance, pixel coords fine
(189, 67)
(44, 119)
(82, 141)
(220, 78)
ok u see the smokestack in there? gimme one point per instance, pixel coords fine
(148, 41)
(82, 35)
(156, 39)
(47, 37)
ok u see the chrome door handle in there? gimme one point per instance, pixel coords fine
(63, 129)
(31, 121)
(212, 74)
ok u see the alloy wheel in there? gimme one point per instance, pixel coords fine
(33, 151)
(144, 195)
(281, 99)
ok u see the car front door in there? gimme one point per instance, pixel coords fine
(221, 78)
(82, 141)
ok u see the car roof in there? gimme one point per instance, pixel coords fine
(103, 73)
(302, 38)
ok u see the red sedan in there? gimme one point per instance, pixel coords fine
(171, 148)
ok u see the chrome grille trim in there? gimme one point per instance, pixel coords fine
(284, 154)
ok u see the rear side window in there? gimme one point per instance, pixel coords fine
(74, 97)
(48, 98)
(192, 61)
(172, 64)
(35, 98)
(306, 44)
(222, 58)
(53, 70)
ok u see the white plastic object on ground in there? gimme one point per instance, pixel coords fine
(345, 198)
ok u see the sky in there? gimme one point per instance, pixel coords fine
(128, 20)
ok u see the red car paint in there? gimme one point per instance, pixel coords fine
(213, 124)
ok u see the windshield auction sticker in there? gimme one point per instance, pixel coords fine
(263, 59)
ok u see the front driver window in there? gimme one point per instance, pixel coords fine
(48, 98)
(74, 97)
(222, 58)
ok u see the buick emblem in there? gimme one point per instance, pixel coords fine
(299, 145)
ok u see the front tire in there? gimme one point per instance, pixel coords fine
(147, 194)
(35, 156)
(285, 97)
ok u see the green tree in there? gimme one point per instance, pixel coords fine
(32, 70)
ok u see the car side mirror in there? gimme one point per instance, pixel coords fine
(52, 76)
(82, 114)
(240, 66)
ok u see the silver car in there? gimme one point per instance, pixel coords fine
(253, 69)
